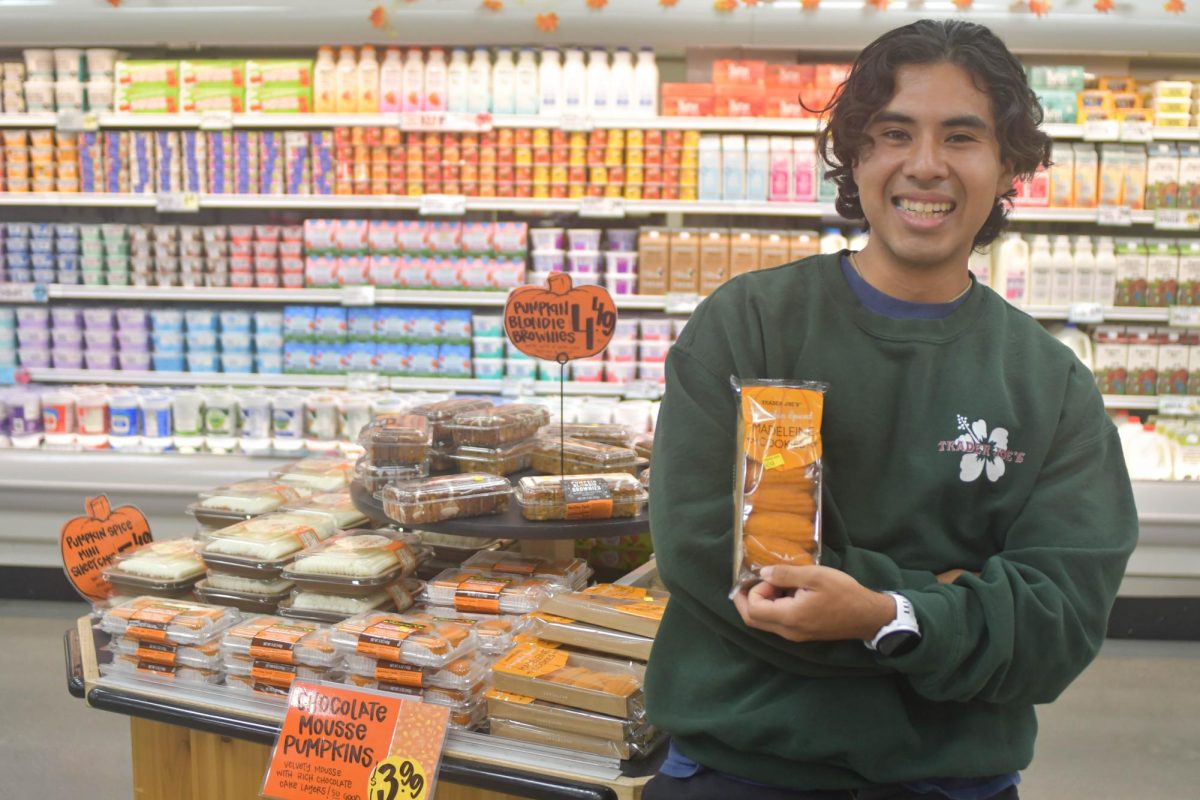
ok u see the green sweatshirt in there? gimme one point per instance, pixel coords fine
(976, 441)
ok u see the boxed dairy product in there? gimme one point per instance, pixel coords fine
(1193, 386)
(1162, 272)
(774, 248)
(758, 167)
(1134, 177)
(1189, 176)
(1112, 360)
(714, 259)
(147, 87)
(1143, 363)
(744, 252)
(684, 262)
(1132, 272)
(1189, 273)
(212, 85)
(733, 167)
(1087, 165)
(1162, 175)
(275, 86)
(653, 259)
(1112, 175)
(1173, 359)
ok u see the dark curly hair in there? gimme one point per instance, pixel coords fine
(872, 82)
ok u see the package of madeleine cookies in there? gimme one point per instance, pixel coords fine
(777, 489)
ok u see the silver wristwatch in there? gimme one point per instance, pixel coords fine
(900, 635)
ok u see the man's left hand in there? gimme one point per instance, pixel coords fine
(814, 604)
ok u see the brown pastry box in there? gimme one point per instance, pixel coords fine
(523, 708)
(504, 460)
(552, 628)
(602, 432)
(536, 734)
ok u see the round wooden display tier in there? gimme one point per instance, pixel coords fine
(510, 524)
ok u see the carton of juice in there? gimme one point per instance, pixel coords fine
(1112, 360)
(1143, 362)
(1162, 175)
(1087, 165)
(1173, 359)
(1132, 272)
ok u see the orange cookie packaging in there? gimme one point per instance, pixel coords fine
(777, 491)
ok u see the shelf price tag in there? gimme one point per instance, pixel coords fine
(1114, 215)
(1140, 131)
(445, 121)
(177, 203)
(602, 207)
(1179, 405)
(216, 121)
(1101, 130)
(1085, 313)
(575, 123)
(681, 302)
(1183, 316)
(1177, 219)
(342, 743)
(358, 296)
(70, 121)
(443, 205)
(642, 390)
(516, 387)
(23, 293)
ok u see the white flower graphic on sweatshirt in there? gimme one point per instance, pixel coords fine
(982, 451)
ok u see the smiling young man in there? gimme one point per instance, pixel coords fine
(977, 515)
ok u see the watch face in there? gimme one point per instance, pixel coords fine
(898, 643)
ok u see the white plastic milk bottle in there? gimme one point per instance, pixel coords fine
(479, 82)
(504, 83)
(574, 94)
(414, 80)
(645, 83)
(1085, 271)
(1062, 283)
(621, 84)
(1106, 272)
(1041, 272)
(1012, 269)
(550, 84)
(347, 82)
(434, 96)
(598, 84)
(391, 81)
(457, 93)
(325, 82)
(525, 91)
(368, 81)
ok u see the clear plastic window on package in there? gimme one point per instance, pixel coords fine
(485, 592)
(397, 439)
(273, 673)
(133, 667)
(552, 628)
(503, 460)
(572, 574)
(643, 445)
(463, 675)
(534, 734)
(333, 608)
(273, 638)
(339, 506)
(597, 496)
(227, 505)
(261, 547)
(467, 712)
(602, 432)
(495, 632)
(593, 683)
(455, 548)
(205, 656)
(255, 601)
(158, 619)
(248, 686)
(375, 478)
(356, 563)
(164, 569)
(317, 474)
(415, 639)
(431, 500)
(523, 708)
(556, 456)
(441, 413)
(497, 426)
(630, 609)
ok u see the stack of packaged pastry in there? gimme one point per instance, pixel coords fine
(262, 656)
(396, 447)
(351, 573)
(166, 641)
(439, 415)
(578, 682)
(162, 569)
(238, 502)
(317, 474)
(497, 440)
(416, 654)
(246, 561)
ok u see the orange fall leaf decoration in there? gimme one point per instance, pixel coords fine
(597, 4)
(378, 17)
(1039, 7)
(547, 23)
(963, 5)
(668, 3)
(115, 3)
(1174, 6)
(810, 5)
(880, 5)
(750, 3)
(724, 6)
(1103, 6)
(493, 5)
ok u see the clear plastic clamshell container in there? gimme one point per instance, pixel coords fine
(333, 608)
(495, 632)
(263, 599)
(226, 505)
(375, 479)
(397, 439)
(132, 666)
(455, 548)
(596, 496)
(552, 737)
(273, 673)
(503, 460)
(355, 563)
(552, 628)
(273, 638)
(431, 500)
(159, 619)
(201, 656)
(497, 426)
(571, 575)
(485, 592)
(337, 505)
(592, 683)
(247, 686)
(263, 546)
(630, 609)
(521, 708)
(317, 474)
(416, 639)
(643, 445)
(164, 569)
(467, 711)
(464, 674)
(555, 456)
(601, 432)
(441, 413)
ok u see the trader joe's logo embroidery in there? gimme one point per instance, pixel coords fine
(982, 451)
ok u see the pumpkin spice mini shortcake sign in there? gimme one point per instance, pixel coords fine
(89, 544)
(559, 322)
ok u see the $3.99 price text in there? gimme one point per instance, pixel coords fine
(397, 778)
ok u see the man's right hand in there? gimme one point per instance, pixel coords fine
(951, 575)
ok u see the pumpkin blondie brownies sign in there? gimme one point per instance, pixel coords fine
(90, 543)
(777, 494)
(345, 744)
(559, 322)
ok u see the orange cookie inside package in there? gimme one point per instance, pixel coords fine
(777, 494)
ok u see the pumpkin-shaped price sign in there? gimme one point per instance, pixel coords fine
(558, 321)
(90, 543)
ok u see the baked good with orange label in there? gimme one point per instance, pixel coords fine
(416, 639)
(571, 678)
(485, 592)
(588, 496)
(161, 619)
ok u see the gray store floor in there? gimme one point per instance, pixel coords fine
(1128, 729)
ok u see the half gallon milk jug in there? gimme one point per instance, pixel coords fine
(479, 82)
(621, 83)
(645, 84)
(550, 83)
(598, 88)
(368, 81)
(504, 83)
(526, 84)
(1062, 284)
(347, 82)
(1041, 272)
(414, 80)
(574, 93)
(1085, 271)
(1012, 269)
(457, 92)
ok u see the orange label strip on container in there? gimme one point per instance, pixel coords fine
(514, 567)
(480, 595)
(273, 674)
(277, 643)
(157, 669)
(151, 623)
(587, 498)
(157, 653)
(385, 638)
(400, 674)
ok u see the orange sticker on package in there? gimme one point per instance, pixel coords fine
(386, 637)
(338, 742)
